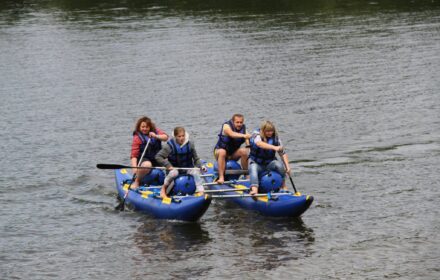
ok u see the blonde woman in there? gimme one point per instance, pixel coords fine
(264, 146)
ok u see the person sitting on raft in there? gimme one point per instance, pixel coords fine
(264, 146)
(179, 152)
(232, 135)
(146, 144)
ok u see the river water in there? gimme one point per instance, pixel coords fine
(353, 87)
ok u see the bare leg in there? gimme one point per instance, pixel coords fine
(284, 187)
(163, 192)
(221, 160)
(168, 183)
(141, 173)
(254, 190)
(243, 155)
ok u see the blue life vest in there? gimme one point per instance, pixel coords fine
(263, 156)
(153, 148)
(228, 143)
(180, 156)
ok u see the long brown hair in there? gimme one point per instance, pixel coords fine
(137, 127)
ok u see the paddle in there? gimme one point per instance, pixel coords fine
(248, 195)
(120, 166)
(236, 172)
(225, 190)
(121, 205)
(290, 177)
(225, 182)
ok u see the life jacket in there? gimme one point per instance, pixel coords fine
(180, 156)
(259, 155)
(228, 143)
(153, 148)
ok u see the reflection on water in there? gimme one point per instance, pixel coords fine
(252, 241)
(276, 241)
(155, 236)
(263, 242)
(171, 248)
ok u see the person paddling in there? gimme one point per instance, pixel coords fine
(264, 146)
(146, 143)
(179, 152)
(232, 135)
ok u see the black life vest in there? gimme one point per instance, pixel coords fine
(228, 143)
(153, 148)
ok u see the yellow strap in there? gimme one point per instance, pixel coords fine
(238, 188)
(166, 200)
(145, 194)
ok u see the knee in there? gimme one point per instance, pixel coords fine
(146, 164)
(280, 169)
(242, 152)
(173, 173)
(221, 153)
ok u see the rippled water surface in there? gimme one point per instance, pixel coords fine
(353, 87)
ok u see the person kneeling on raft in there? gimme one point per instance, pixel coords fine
(179, 152)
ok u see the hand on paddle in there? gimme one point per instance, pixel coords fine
(284, 159)
(288, 169)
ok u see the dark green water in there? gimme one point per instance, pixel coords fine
(352, 85)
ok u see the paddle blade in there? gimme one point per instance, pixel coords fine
(110, 166)
(120, 206)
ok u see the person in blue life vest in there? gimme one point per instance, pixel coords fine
(265, 144)
(146, 143)
(232, 135)
(180, 152)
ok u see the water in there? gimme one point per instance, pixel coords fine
(352, 86)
